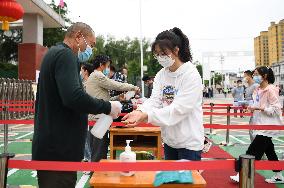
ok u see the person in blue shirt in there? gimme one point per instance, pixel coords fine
(238, 94)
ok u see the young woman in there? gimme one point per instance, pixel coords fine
(175, 103)
(98, 85)
(266, 111)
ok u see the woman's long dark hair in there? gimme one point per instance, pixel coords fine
(263, 70)
(170, 39)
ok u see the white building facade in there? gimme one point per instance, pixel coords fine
(278, 69)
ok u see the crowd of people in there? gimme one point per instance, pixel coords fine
(70, 91)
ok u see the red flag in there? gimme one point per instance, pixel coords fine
(61, 3)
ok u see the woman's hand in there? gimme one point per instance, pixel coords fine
(252, 109)
(134, 118)
(137, 89)
(121, 97)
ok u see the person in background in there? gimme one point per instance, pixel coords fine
(225, 91)
(62, 106)
(86, 70)
(149, 83)
(251, 87)
(127, 105)
(210, 92)
(266, 110)
(116, 76)
(238, 95)
(124, 71)
(98, 85)
(176, 101)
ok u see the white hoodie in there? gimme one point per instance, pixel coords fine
(176, 106)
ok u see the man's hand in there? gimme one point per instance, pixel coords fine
(134, 118)
(115, 109)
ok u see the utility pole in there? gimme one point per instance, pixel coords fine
(141, 48)
(222, 62)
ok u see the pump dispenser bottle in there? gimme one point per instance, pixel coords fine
(128, 156)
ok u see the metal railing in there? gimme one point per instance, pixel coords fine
(15, 97)
(17, 92)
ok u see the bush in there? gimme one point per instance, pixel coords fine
(8, 70)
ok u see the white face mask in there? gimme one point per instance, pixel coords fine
(165, 61)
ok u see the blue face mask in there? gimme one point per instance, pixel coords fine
(257, 79)
(106, 71)
(85, 55)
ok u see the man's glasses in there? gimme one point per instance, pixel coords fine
(92, 46)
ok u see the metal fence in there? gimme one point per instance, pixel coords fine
(15, 96)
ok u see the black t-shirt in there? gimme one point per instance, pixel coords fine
(61, 108)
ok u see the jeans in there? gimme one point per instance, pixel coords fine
(181, 153)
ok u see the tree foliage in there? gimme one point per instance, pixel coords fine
(9, 45)
(126, 53)
(51, 36)
(199, 68)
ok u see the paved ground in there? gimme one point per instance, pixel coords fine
(20, 143)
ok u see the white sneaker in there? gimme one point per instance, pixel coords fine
(207, 147)
(235, 178)
(277, 178)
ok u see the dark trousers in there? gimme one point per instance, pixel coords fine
(56, 179)
(181, 153)
(259, 146)
(236, 111)
(99, 147)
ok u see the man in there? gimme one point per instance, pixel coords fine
(149, 83)
(117, 76)
(62, 106)
(238, 94)
(251, 87)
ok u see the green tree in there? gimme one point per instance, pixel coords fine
(218, 79)
(9, 45)
(126, 53)
(199, 68)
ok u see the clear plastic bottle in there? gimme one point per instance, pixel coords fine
(102, 125)
(128, 156)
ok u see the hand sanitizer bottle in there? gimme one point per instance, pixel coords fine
(102, 125)
(128, 156)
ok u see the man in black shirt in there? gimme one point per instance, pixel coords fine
(62, 106)
(149, 83)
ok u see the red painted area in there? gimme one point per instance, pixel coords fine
(30, 57)
(221, 178)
